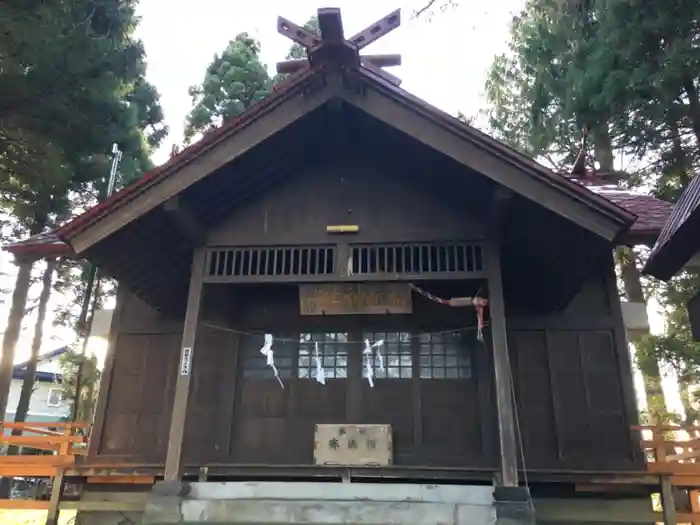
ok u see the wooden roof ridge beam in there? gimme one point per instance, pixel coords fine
(185, 221)
(330, 23)
(377, 30)
(297, 34)
(392, 79)
(289, 67)
(332, 46)
(390, 60)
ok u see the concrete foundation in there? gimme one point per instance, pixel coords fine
(320, 504)
(272, 503)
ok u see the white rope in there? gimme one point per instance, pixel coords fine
(320, 373)
(267, 351)
(369, 365)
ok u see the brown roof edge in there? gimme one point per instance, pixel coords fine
(493, 145)
(670, 254)
(185, 156)
(39, 246)
(680, 238)
(619, 214)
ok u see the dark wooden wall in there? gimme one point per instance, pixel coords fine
(571, 374)
(386, 208)
(570, 368)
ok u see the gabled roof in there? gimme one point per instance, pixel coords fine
(131, 237)
(383, 101)
(679, 240)
(20, 369)
(652, 213)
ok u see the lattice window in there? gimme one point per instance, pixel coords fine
(396, 354)
(332, 351)
(270, 262)
(444, 356)
(255, 364)
(368, 259)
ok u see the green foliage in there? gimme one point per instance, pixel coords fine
(69, 363)
(233, 82)
(73, 83)
(627, 71)
(297, 52)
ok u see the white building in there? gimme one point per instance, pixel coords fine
(46, 403)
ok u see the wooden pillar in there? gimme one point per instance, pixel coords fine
(668, 503)
(502, 371)
(173, 460)
(56, 493)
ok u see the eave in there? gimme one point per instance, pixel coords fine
(361, 88)
(679, 240)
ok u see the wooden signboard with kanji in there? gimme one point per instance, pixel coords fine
(355, 298)
(353, 445)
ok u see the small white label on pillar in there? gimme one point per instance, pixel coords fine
(186, 361)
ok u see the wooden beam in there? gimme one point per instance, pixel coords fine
(55, 500)
(392, 79)
(107, 373)
(668, 503)
(23, 504)
(502, 370)
(330, 23)
(297, 34)
(276, 116)
(501, 200)
(471, 148)
(377, 30)
(185, 221)
(173, 460)
(624, 360)
(289, 67)
(383, 60)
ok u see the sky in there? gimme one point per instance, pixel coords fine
(445, 60)
(445, 56)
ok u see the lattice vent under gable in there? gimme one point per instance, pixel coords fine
(414, 259)
(272, 261)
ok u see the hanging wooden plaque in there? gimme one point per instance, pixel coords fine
(355, 298)
(353, 445)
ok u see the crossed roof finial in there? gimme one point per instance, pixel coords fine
(331, 46)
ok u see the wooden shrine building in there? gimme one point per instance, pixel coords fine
(678, 246)
(345, 267)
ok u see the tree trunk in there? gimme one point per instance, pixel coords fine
(632, 284)
(14, 326)
(14, 319)
(649, 366)
(603, 148)
(691, 414)
(691, 91)
(28, 382)
(30, 374)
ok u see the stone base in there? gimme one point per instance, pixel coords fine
(300, 503)
(271, 503)
(513, 506)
